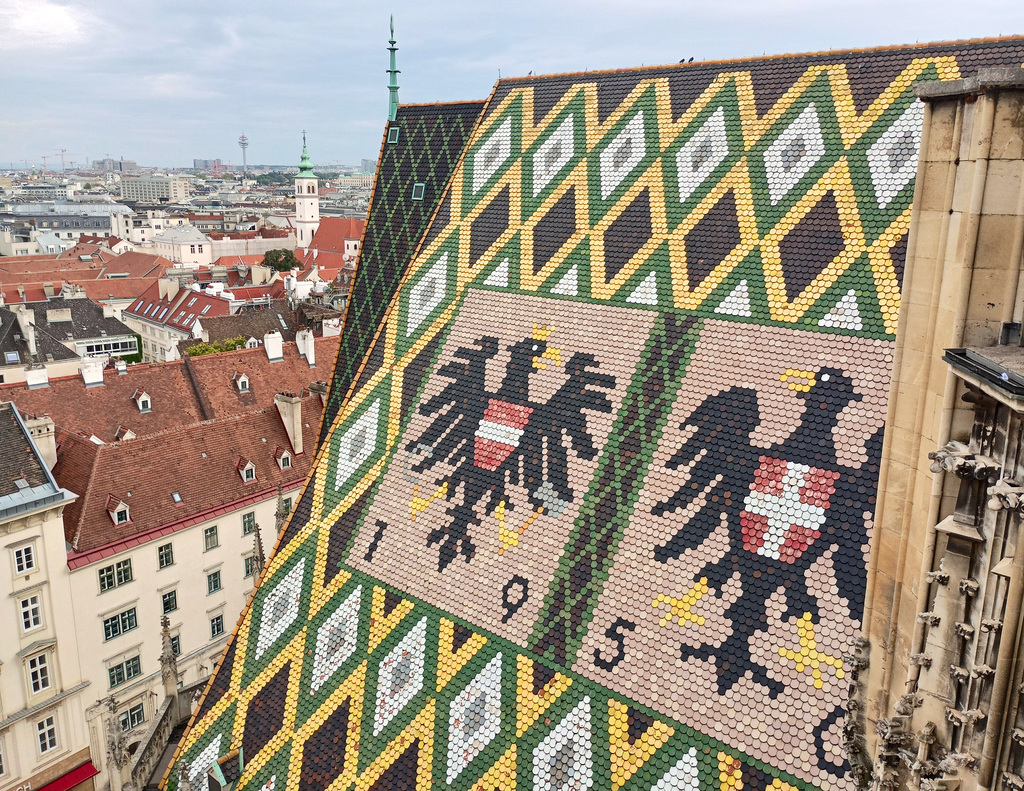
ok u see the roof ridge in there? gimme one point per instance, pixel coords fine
(186, 427)
(85, 496)
(780, 56)
(440, 104)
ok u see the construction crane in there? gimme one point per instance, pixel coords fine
(61, 152)
(44, 158)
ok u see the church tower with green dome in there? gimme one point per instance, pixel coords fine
(307, 200)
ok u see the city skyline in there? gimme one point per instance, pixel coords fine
(186, 83)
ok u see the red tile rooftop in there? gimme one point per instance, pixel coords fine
(332, 233)
(198, 461)
(177, 398)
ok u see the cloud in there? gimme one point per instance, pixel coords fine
(35, 24)
(177, 85)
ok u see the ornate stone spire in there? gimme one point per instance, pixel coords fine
(281, 514)
(259, 557)
(168, 661)
(394, 72)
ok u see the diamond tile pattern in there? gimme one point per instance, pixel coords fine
(430, 142)
(609, 529)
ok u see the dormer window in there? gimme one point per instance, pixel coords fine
(123, 434)
(118, 510)
(143, 401)
(247, 470)
(284, 459)
(241, 382)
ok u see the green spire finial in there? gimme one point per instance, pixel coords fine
(394, 72)
(305, 164)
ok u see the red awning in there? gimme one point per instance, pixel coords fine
(72, 778)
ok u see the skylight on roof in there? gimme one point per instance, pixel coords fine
(192, 302)
(204, 310)
(176, 496)
(11, 357)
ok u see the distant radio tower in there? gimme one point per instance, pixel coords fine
(243, 143)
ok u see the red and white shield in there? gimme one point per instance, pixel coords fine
(499, 432)
(785, 508)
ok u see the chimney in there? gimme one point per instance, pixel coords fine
(120, 366)
(27, 327)
(36, 377)
(320, 388)
(108, 311)
(92, 371)
(42, 433)
(290, 407)
(304, 341)
(168, 288)
(48, 290)
(273, 343)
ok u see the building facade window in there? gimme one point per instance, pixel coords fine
(165, 556)
(176, 644)
(46, 731)
(248, 523)
(117, 574)
(250, 566)
(216, 626)
(124, 671)
(31, 613)
(3, 763)
(213, 582)
(25, 559)
(133, 718)
(118, 624)
(170, 601)
(287, 505)
(39, 673)
(210, 538)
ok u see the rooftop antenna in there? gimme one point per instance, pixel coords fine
(394, 72)
(243, 143)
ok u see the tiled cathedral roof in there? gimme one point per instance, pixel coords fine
(593, 510)
(421, 146)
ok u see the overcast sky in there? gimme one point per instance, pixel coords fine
(164, 82)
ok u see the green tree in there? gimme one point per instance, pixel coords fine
(204, 348)
(281, 260)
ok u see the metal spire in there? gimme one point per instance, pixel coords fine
(394, 72)
(305, 164)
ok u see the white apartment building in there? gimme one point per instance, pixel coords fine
(154, 188)
(184, 243)
(43, 691)
(140, 228)
(148, 542)
(166, 314)
(198, 575)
